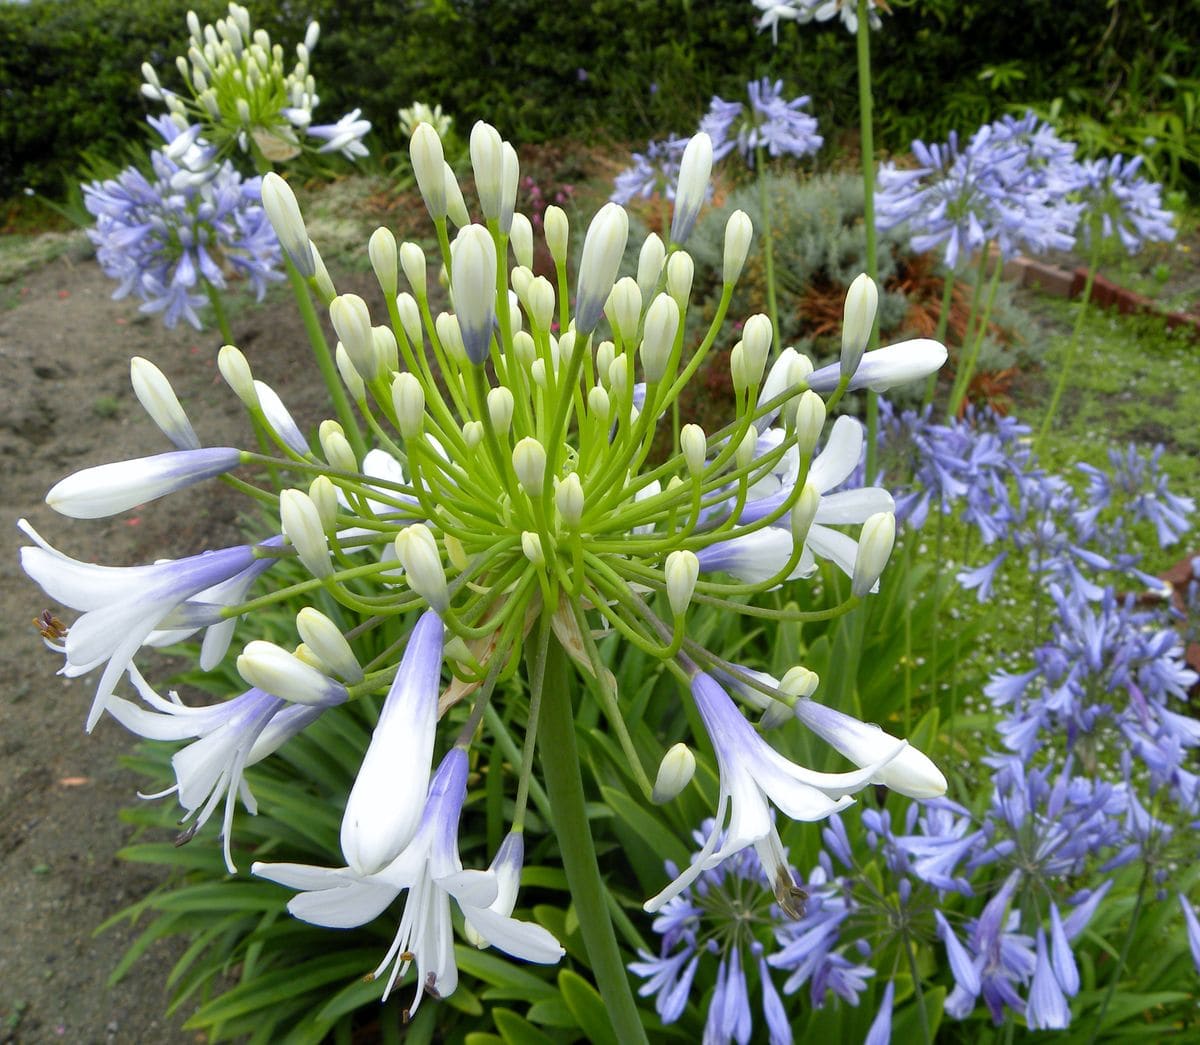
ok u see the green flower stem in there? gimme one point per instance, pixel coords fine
(911, 954)
(564, 786)
(320, 347)
(1072, 345)
(218, 307)
(764, 204)
(867, 140)
(976, 297)
(962, 380)
(513, 753)
(943, 325)
(1116, 974)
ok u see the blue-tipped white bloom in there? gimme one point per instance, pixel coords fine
(694, 170)
(94, 493)
(474, 282)
(122, 606)
(430, 869)
(384, 807)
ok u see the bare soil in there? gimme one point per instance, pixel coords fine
(66, 403)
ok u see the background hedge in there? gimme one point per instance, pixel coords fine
(621, 70)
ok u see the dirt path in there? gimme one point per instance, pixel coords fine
(65, 403)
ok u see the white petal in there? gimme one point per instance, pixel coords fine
(852, 507)
(840, 455)
(355, 903)
(524, 940)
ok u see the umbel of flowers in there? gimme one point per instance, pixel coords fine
(238, 88)
(511, 506)
(172, 238)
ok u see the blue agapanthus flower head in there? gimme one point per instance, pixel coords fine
(654, 171)
(191, 222)
(1121, 202)
(779, 125)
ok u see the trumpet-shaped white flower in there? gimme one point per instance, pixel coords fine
(227, 738)
(123, 607)
(384, 810)
(430, 869)
(754, 775)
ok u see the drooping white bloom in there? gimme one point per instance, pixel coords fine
(430, 869)
(227, 737)
(282, 674)
(122, 607)
(754, 775)
(384, 807)
(885, 367)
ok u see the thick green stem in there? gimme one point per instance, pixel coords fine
(1069, 354)
(320, 347)
(564, 786)
(867, 140)
(764, 201)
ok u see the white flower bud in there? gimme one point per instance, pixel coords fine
(408, 400)
(350, 376)
(521, 279)
(428, 164)
(336, 447)
(500, 408)
(682, 570)
(874, 549)
(650, 263)
(738, 233)
(531, 547)
(540, 302)
(606, 352)
(301, 523)
(487, 160)
(537, 373)
(658, 336)
(862, 299)
(456, 206)
(381, 248)
(756, 343)
(311, 35)
(598, 403)
(474, 281)
(737, 368)
(520, 236)
(386, 351)
(283, 212)
(326, 291)
(524, 350)
(412, 261)
(568, 497)
(694, 169)
(624, 308)
(694, 444)
(810, 421)
(804, 511)
(450, 336)
(158, 399)
(323, 494)
(410, 317)
(352, 321)
(282, 674)
(675, 772)
(603, 248)
(618, 375)
(472, 433)
(681, 270)
(800, 682)
(417, 551)
(325, 639)
(509, 179)
(236, 371)
(529, 462)
(555, 229)
(747, 448)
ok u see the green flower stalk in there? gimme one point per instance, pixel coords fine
(515, 501)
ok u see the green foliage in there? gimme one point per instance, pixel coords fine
(622, 70)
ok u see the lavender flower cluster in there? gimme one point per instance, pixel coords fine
(1018, 185)
(166, 236)
(770, 122)
(1096, 771)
